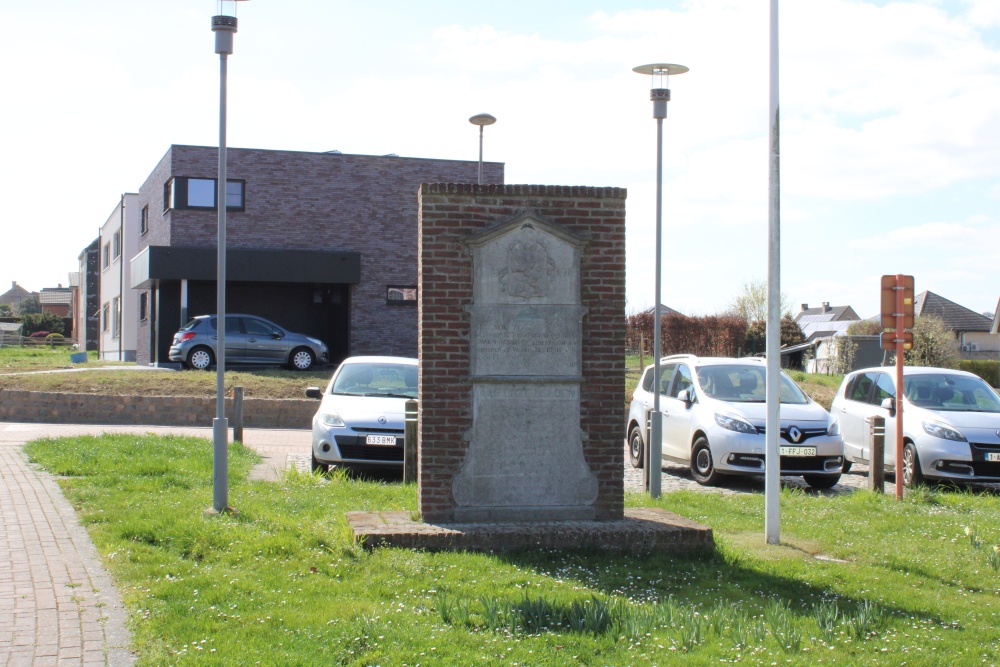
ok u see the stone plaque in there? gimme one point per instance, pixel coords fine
(525, 458)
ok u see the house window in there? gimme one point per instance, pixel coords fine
(401, 295)
(105, 318)
(116, 245)
(116, 312)
(106, 256)
(144, 220)
(143, 306)
(186, 192)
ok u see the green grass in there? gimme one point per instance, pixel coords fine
(281, 582)
(41, 358)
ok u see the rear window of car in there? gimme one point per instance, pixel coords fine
(192, 325)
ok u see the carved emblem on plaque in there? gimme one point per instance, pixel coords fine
(528, 270)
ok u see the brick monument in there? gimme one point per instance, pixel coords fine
(521, 300)
(522, 368)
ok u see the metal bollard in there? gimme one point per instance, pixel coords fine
(876, 458)
(238, 414)
(410, 443)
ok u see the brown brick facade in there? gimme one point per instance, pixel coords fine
(449, 213)
(312, 201)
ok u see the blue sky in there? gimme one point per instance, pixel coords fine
(890, 123)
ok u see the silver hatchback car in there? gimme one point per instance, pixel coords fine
(360, 420)
(249, 340)
(714, 415)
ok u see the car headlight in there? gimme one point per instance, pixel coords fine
(833, 428)
(734, 423)
(331, 418)
(942, 431)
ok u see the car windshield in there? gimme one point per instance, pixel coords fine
(952, 393)
(376, 379)
(744, 384)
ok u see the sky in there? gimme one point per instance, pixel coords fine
(890, 123)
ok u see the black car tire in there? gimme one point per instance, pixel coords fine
(636, 447)
(702, 468)
(847, 467)
(301, 359)
(200, 358)
(821, 481)
(318, 466)
(912, 475)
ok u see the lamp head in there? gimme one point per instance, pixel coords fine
(481, 119)
(660, 92)
(224, 25)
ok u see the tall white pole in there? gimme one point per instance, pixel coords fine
(772, 471)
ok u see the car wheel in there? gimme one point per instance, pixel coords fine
(301, 359)
(318, 466)
(200, 359)
(912, 475)
(847, 467)
(702, 468)
(821, 481)
(636, 448)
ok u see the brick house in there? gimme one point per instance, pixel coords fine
(324, 244)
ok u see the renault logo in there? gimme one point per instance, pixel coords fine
(795, 434)
(382, 420)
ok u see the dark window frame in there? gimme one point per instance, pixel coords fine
(175, 194)
(401, 300)
(143, 306)
(144, 220)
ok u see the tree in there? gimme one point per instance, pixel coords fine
(29, 304)
(865, 328)
(751, 302)
(790, 334)
(6, 310)
(934, 344)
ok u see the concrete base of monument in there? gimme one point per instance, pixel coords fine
(641, 531)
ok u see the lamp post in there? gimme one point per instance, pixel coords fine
(481, 119)
(224, 26)
(660, 95)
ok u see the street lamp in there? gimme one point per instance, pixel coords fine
(660, 95)
(481, 119)
(224, 26)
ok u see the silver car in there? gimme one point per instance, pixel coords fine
(714, 416)
(951, 422)
(360, 421)
(249, 340)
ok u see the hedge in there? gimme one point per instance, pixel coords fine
(988, 369)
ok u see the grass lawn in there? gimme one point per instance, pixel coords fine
(256, 383)
(281, 582)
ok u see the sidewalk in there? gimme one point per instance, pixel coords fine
(58, 605)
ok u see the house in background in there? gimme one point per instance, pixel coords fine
(824, 321)
(14, 296)
(57, 300)
(119, 241)
(972, 329)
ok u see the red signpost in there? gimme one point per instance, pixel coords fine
(897, 317)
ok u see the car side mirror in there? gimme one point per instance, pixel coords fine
(889, 404)
(686, 395)
(314, 392)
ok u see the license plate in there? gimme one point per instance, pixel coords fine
(380, 440)
(993, 456)
(798, 451)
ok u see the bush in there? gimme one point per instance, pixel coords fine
(50, 322)
(712, 335)
(988, 369)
